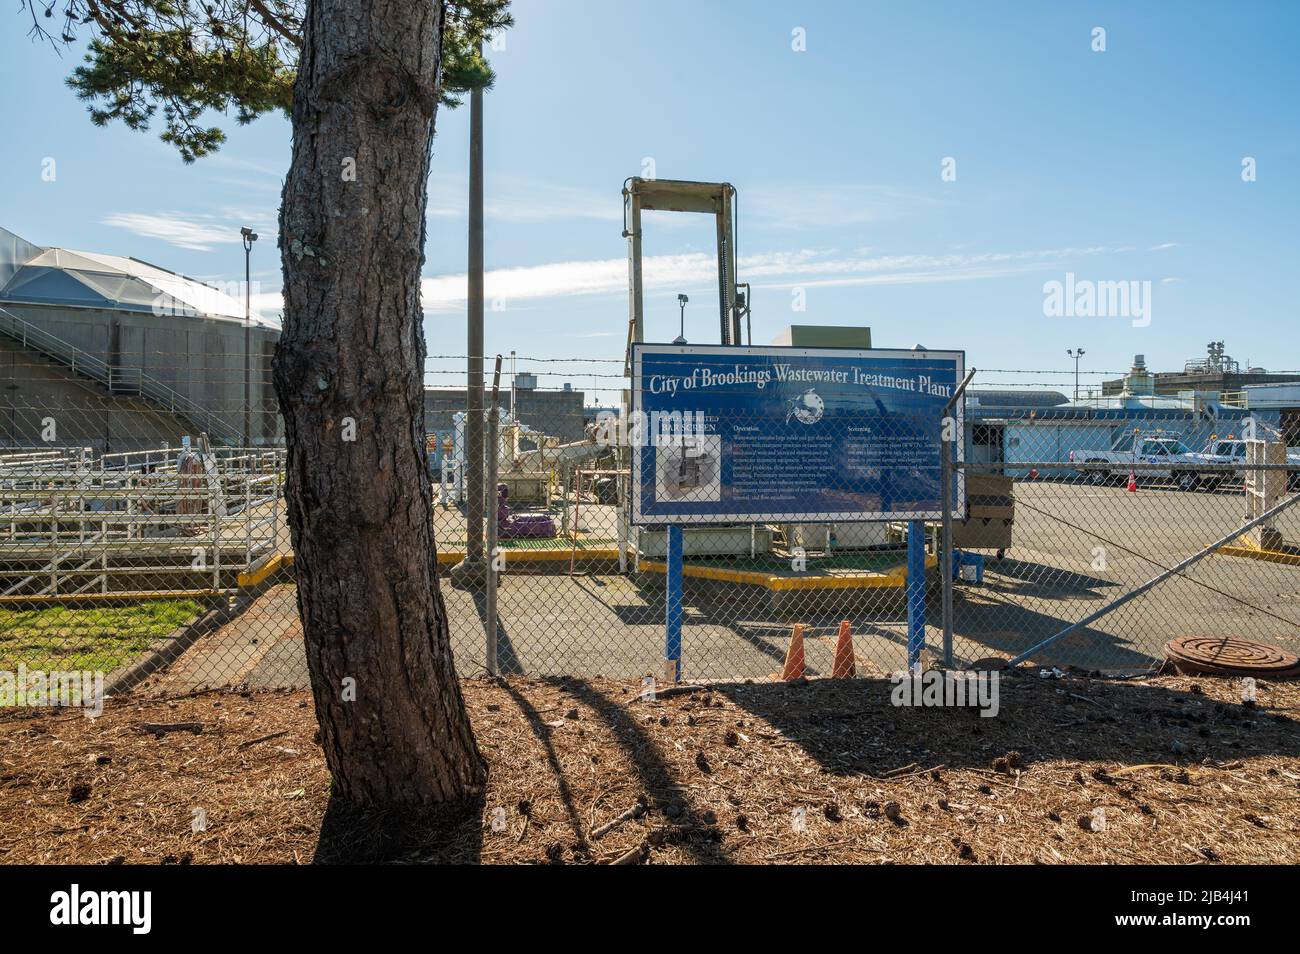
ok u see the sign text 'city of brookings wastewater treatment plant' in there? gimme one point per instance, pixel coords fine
(734, 434)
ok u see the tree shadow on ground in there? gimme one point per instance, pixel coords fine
(1022, 578)
(982, 627)
(507, 657)
(850, 726)
(1007, 627)
(538, 726)
(448, 834)
(684, 825)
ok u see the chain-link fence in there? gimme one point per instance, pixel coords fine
(135, 544)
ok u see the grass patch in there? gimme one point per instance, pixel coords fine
(99, 638)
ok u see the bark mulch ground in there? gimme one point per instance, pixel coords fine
(1076, 770)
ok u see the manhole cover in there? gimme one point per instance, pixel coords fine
(1230, 656)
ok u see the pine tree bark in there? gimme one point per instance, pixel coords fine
(350, 364)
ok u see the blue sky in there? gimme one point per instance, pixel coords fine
(1123, 165)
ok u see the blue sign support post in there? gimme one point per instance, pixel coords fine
(915, 593)
(673, 607)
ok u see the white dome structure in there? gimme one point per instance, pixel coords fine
(30, 274)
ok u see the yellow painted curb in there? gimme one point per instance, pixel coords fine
(1248, 549)
(277, 562)
(897, 577)
(1266, 556)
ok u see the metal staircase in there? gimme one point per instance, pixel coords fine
(120, 382)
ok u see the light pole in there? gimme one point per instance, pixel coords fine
(249, 237)
(681, 336)
(1076, 354)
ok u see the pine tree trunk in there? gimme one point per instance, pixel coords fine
(393, 722)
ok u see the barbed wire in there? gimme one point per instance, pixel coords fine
(184, 363)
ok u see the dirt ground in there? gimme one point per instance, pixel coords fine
(586, 772)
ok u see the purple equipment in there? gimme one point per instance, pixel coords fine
(513, 527)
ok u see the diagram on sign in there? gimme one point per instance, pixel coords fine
(689, 467)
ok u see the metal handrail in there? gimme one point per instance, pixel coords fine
(88, 532)
(29, 335)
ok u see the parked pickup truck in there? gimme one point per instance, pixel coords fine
(1161, 459)
(1229, 451)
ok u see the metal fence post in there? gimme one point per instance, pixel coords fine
(491, 503)
(248, 519)
(490, 512)
(945, 547)
(621, 516)
(945, 538)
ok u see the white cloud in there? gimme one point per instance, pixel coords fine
(268, 303)
(527, 200)
(1162, 246)
(698, 270)
(197, 232)
(924, 277)
(173, 228)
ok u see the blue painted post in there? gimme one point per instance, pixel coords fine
(673, 608)
(915, 592)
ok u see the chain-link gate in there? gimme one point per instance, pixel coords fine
(1120, 537)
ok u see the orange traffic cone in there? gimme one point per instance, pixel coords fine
(1132, 482)
(844, 668)
(794, 655)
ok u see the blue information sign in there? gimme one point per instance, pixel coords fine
(744, 434)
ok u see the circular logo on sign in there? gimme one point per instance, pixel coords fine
(807, 408)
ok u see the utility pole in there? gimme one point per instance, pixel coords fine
(474, 567)
(1076, 354)
(249, 237)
